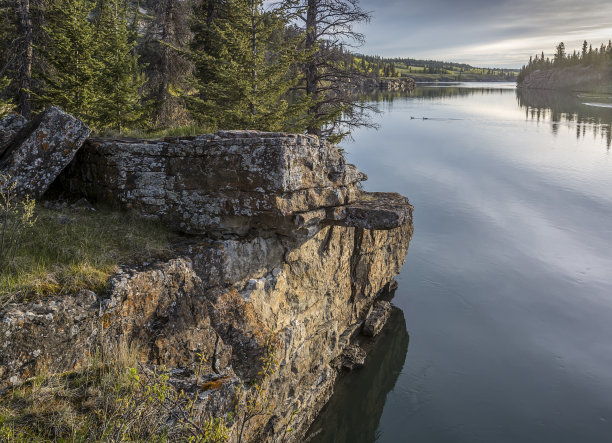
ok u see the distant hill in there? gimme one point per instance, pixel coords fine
(430, 70)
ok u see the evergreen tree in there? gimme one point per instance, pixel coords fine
(72, 70)
(166, 26)
(6, 34)
(118, 104)
(5, 101)
(241, 81)
(560, 54)
(327, 24)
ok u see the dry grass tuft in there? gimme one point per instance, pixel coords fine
(111, 399)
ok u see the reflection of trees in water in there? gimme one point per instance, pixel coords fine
(563, 108)
(354, 411)
(386, 98)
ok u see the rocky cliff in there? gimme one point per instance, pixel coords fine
(282, 245)
(575, 78)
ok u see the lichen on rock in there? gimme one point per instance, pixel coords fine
(34, 153)
(286, 245)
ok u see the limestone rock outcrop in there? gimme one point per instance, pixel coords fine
(397, 84)
(34, 153)
(282, 246)
(229, 182)
(403, 84)
(10, 126)
(312, 294)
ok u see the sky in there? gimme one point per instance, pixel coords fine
(488, 33)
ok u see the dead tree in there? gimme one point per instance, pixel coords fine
(329, 28)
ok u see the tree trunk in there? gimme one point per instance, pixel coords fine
(254, 44)
(312, 78)
(24, 29)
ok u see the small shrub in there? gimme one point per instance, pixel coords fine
(112, 399)
(16, 217)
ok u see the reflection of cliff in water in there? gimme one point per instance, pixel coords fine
(568, 109)
(354, 411)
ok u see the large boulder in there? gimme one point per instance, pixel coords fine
(228, 182)
(35, 153)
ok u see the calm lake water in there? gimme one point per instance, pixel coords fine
(505, 333)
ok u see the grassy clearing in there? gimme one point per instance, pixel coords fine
(74, 248)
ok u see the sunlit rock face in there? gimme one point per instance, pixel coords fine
(313, 295)
(576, 78)
(303, 261)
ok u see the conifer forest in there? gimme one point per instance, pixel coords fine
(175, 66)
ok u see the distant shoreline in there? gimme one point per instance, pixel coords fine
(590, 78)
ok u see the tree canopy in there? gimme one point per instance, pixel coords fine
(122, 65)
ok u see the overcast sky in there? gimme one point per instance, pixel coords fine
(492, 33)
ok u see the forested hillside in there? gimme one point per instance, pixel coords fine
(191, 65)
(430, 70)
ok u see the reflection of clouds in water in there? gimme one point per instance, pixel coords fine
(569, 110)
(497, 200)
(507, 285)
(599, 105)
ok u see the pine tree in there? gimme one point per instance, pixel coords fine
(70, 79)
(118, 104)
(560, 54)
(165, 26)
(6, 34)
(241, 81)
(326, 24)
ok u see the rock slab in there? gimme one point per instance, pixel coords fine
(10, 126)
(353, 358)
(228, 182)
(34, 154)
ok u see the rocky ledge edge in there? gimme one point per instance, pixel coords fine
(281, 242)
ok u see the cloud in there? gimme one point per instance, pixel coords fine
(483, 32)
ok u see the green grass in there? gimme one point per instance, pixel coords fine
(111, 398)
(77, 406)
(78, 248)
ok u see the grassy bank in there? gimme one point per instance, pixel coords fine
(72, 247)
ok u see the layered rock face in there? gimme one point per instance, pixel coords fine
(309, 281)
(575, 78)
(226, 182)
